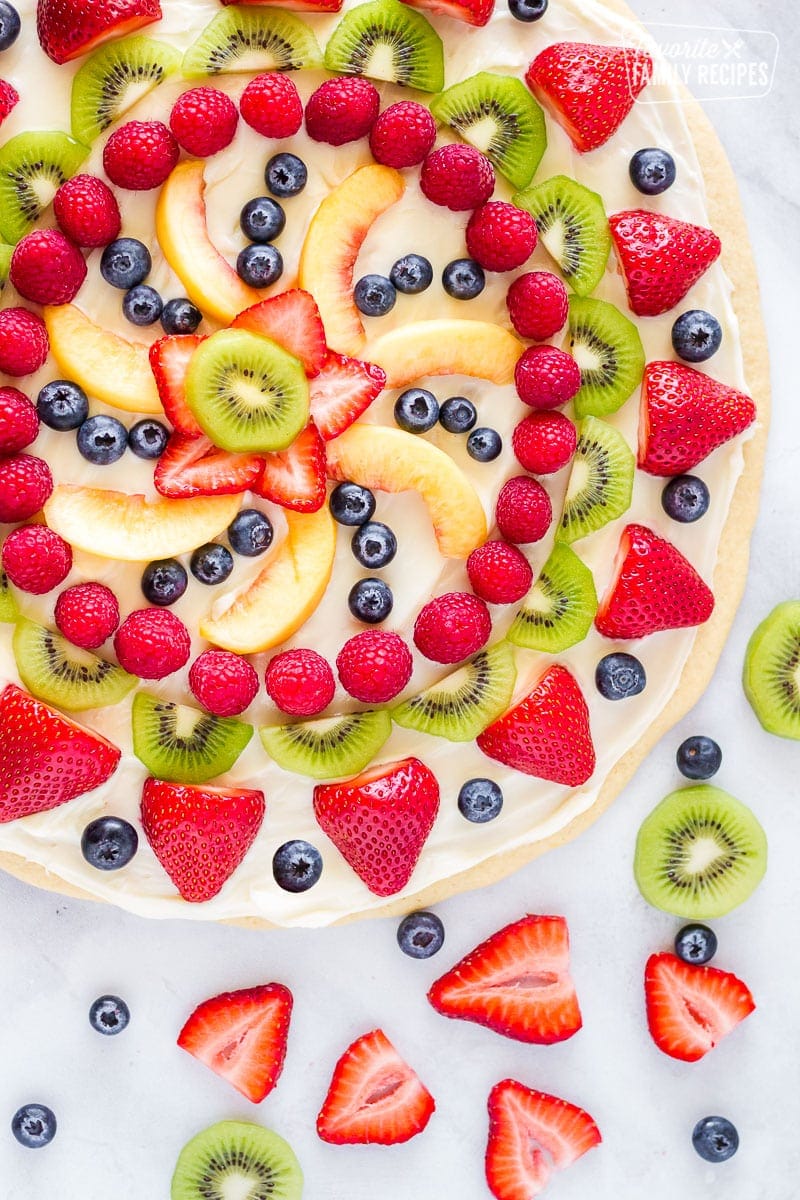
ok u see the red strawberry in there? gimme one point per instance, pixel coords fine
(69, 28)
(474, 12)
(517, 983)
(547, 734)
(661, 258)
(241, 1036)
(379, 821)
(684, 416)
(296, 5)
(374, 1097)
(654, 588)
(292, 320)
(689, 1009)
(343, 390)
(589, 89)
(193, 466)
(9, 98)
(46, 759)
(296, 478)
(200, 834)
(169, 362)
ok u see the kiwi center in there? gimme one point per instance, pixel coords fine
(596, 359)
(700, 852)
(236, 1177)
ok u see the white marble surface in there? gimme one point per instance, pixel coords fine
(126, 1105)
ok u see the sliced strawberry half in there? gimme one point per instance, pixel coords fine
(690, 1009)
(661, 258)
(473, 12)
(374, 1096)
(169, 362)
(343, 390)
(193, 466)
(69, 28)
(296, 478)
(292, 320)
(295, 5)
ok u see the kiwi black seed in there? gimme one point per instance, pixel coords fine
(600, 483)
(252, 39)
(385, 39)
(330, 747)
(59, 673)
(573, 228)
(237, 1158)
(114, 78)
(608, 349)
(32, 168)
(461, 705)
(772, 670)
(183, 744)
(560, 607)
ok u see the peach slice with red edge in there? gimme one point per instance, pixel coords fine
(446, 347)
(107, 366)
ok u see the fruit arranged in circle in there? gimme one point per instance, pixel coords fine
(446, 347)
(252, 39)
(600, 482)
(114, 78)
(183, 744)
(573, 228)
(559, 610)
(330, 747)
(383, 39)
(54, 670)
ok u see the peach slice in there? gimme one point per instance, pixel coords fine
(107, 366)
(446, 347)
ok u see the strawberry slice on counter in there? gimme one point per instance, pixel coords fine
(343, 390)
(661, 258)
(690, 1009)
(296, 478)
(194, 466)
(241, 1036)
(69, 28)
(374, 1096)
(9, 97)
(473, 12)
(517, 983)
(292, 320)
(169, 362)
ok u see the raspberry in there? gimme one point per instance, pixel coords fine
(537, 305)
(300, 682)
(36, 559)
(152, 643)
(223, 682)
(9, 96)
(501, 237)
(140, 155)
(457, 177)
(374, 666)
(204, 121)
(87, 614)
(47, 268)
(402, 135)
(546, 377)
(87, 210)
(452, 627)
(342, 110)
(19, 421)
(24, 345)
(524, 511)
(544, 442)
(271, 105)
(25, 485)
(499, 573)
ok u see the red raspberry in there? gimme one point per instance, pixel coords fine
(452, 627)
(342, 110)
(524, 511)
(152, 643)
(402, 135)
(457, 177)
(47, 268)
(223, 682)
(204, 121)
(544, 442)
(537, 305)
(24, 344)
(36, 559)
(499, 573)
(300, 682)
(25, 485)
(87, 210)
(140, 155)
(501, 237)
(271, 105)
(374, 666)
(19, 421)
(546, 377)
(87, 614)
(9, 96)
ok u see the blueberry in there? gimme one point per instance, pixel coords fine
(212, 563)
(370, 601)
(480, 800)
(164, 581)
(696, 335)
(142, 305)
(463, 279)
(109, 1015)
(374, 545)
(619, 676)
(484, 444)
(458, 414)
(652, 171)
(416, 410)
(34, 1126)
(109, 843)
(125, 263)
(696, 944)
(286, 175)
(250, 532)
(262, 219)
(296, 866)
(527, 10)
(715, 1139)
(9, 25)
(420, 935)
(102, 440)
(259, 266)
(351, 504)
(411, 274)
(374, 295)
(148, 438)
(698, 757)
(685, 498)
(180, 316)
(62, 405)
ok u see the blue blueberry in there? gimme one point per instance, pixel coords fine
(102, 440)
(484, 445)
(527, 10)
(250, 533)
(262, 219)
(109, 1015)
(148, 438)
(164, 581)
(142, 305)
(34, 1126)
(125, 263)
(286, 175)
(420, 935)
(715, 1139)
(180, 316)
(9, 25)
(652, 171)
(62, 405)
(211, 563)
(296, 866)
(685, 498)
(416, 410)
(109, 843)
(458, 414)
(696, 944)
(259, 266)
(374, 295)
(698, 757)
(411, 274)
(480, 800)
(696, 335)
(351, 504)
(463, 279)
(370, 601)
(619, 676)
(374, 545)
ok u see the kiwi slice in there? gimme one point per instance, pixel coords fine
(461, 705)
(560, 607)
(772, 671)
(5, 263)
(385, 39)
(609, 352)
(237, 1160)
(32, 168)
(62, 674)
(573, 228)
(330, 748)
(498, 115)
(183, 744)
(9, 609)
(700, 853)
(240, 40)
(600, 481)
(247, 393)
(114, 78)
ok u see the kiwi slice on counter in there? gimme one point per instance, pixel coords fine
(247, 393)
(114, 78)
(9, 609)
(498, 115)
(560, 607)
(461, 705)
(772, 671)
(237, 1160)
(609, 352)
(183, 744)
(5, 263)
(385, 39)
(32, 168)
(700, 853)
(62, 674)
(241, 40)
(573, 228)
(600, 482)
(331, 747)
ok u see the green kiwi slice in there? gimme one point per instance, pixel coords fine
(609, 352)
(385, 39)
(183, 744)
(5, 263)
(700, 853)
(772, 671)
(600, 482)
(560, 607)
(498, 115)
(246, 392)
(240, 40)
(329, 748)
(9, 609)
(573, 228)
(32, 168)
(461, 705)
(237, 1160)
(114, 78)
(62, 674)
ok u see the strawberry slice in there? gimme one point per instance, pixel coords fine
(547, 734)
(684, 416)
(589, 89)
(517, 983)
(654, 588)
(200, 834)
(343, 390)
(532, 1134)
(295, 5)
(379, 821)
(9, 97)
(69, 28)
(661, 258)
(292, 320)
(473, 12)
(690, 1009)
(46, 759)
(169, 362)
(193, 466)
(296, 478)
(242, 1036)
(374, 1096)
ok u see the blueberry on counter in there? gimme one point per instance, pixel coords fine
(10, 25)
(351, 504)
(463, 279)
(62, 405)
(102, 440)
(715, 1139)
(686, 499)
(164, 581)
(180, 316)
(109, 843)
(109, 1015)
(142, 305)
(374, 295)
(527, 10)
(374, 545)
(420, 935)
(148, 438)
(696, 944)
(696, 335)
(211, 563)
(34, 1126)
(480, 800)
(259, 266)
(618, 676)
(416, 410)
(296, 866)
(125, 263)
(250, 532)
(698, 757)
(652, 171)
(370, 601)
(262, 219)
(458, 414)
(286, 175)
(484, 445)
(411, 274)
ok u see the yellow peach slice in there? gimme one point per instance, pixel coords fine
(107, 366)
(446, 347)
